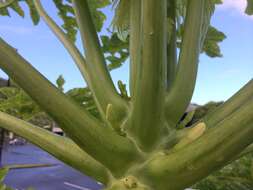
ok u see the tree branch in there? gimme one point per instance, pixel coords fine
(210, 152)
(231, 105)
(60, 147)
(6, 3)
(85, 130)
(73, 51)
(102, 86)
(135, 43)
(180, 94)
(217, 115)
(172, 45)
(146, 122)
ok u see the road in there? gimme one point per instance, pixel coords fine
(58, 177)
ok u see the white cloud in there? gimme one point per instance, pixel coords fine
(239, 5)
(235, 5)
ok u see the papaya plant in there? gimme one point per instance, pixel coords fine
(136, 143)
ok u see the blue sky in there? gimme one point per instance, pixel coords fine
(218, 79)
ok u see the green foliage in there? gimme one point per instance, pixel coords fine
(201, 111)
(249, 9)
(197, 114)
(3, 173)
(121, 18)
(14, 5)
(16, 102)
(33, 12)
(84, 98)
(5, 3)
(120, 25)
(98, 16)
(213, 37)
(210, 35)
(60, 82)
(65, 12)
(235, 176)
(116, 51)
(122, 89)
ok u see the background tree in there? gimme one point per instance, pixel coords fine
(136, 144)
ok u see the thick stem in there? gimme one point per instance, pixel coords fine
(218, 114)
(223, 111)
(82, 128)
(172, 46)
(135, 42)
(62, 148)
(210, 152)
(235, 102)
(181, 92)
(147, 115)
(127, 183)
(100, 80)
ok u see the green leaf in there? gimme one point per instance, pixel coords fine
(3, 173)
(84, 98)
(5, 3)
(210, 46)
(123, 90)
(122, 16)
(116, 51)
(16, 102)
(66, 12)
(98, 16)
(210, 35)
(201, 111)
(16, 7)
(249, 8)
(235, 176)
(60, 82)
(33, 12)
(4, 12)
(8, 92)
